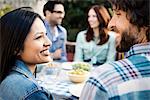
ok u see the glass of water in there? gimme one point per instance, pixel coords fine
(52, 70)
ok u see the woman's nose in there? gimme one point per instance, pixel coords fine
(90, 18)
(47, 42)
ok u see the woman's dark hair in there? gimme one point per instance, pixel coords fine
(102, 25)
(14, 28)
(138, 12)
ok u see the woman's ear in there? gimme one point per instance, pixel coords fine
(18, 53)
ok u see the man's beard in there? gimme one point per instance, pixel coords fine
(127, 41)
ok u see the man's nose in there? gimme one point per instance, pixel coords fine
(111, 24)
(62, 15)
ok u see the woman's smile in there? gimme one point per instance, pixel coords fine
(45, 52)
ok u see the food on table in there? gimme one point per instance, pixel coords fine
(78, 72)
(81, 65)
(77, 75)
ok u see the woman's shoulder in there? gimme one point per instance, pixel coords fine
(82, 32)
(19, 79)
(18, 84)
(112, 34)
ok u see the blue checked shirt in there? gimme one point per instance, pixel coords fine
(127, 79)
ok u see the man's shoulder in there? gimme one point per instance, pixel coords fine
(113, 66)
(46, 23)
(61, 28)
(121, 70)
(111, 71)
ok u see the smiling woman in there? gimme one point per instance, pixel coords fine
(36, 46)
(23, 45)
(96, 45)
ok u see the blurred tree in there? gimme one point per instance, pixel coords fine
(76, 20)
(6, 8)
(76, 15)
(76, 12)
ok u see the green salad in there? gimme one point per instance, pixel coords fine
(84, 66)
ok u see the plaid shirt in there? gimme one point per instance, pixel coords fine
(127, 79)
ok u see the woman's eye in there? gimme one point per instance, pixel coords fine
(38, 37)
(94, 16)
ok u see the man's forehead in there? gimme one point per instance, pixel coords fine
(114, 8)
(58, 6)
(117, 8)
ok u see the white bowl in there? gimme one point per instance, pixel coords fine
(77, 78)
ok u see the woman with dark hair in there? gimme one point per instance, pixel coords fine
(23, 45)
(96, 45)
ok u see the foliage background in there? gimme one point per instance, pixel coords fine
(76, 12)
(75, 19)
(76, 16)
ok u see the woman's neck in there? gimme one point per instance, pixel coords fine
(96, 32)
(31, 68)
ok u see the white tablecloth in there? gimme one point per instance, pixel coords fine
(59, 87)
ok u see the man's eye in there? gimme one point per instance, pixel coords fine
(118, 14)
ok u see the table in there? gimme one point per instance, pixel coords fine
(59, 87)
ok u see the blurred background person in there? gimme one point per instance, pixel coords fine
(54, 14)
(126, 79)
(96, 44)
(23, 45)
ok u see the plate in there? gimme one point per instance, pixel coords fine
(76, 89)
(67, 65)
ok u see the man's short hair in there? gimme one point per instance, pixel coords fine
(50, 6)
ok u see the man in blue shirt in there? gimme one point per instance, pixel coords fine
(54, 14)
(129, 78)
